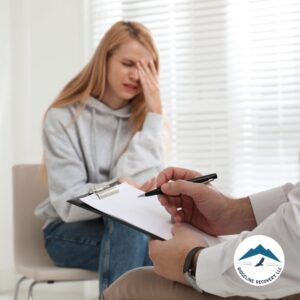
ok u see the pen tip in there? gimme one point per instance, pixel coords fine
(142, 195)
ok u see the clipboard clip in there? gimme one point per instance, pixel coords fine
(106, 190)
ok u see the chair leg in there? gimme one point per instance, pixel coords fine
(30, 291)
(18, 287)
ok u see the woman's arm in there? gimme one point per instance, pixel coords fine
(66, 170)
(143, 157)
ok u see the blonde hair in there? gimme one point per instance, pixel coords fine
(91, 80)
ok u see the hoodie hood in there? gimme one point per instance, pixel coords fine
(99, 106)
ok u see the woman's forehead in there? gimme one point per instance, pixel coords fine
(133, 50)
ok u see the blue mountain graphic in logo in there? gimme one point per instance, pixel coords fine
(259, 250)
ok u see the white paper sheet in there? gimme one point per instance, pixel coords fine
(145, 212)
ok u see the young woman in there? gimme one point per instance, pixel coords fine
(105, 125)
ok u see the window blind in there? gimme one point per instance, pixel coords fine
(230, 84)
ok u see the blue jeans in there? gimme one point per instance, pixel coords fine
(102, 245)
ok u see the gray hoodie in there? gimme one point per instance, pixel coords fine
(95, 149)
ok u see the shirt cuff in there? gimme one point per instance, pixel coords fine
(210, 268)
(267, 202)
(153, 121)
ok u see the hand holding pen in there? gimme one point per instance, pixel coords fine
(196, 204)
(199, 179)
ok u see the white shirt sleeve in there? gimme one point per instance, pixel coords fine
(267, 202)
(215, 271)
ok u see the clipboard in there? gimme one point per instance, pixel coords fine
(146, 214)
(98, 191)
(102, 193)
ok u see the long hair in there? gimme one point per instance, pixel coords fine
(91, 80)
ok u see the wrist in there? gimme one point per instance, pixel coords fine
(194, 263)
(241, 211)
(154, 105)
(247, 218)
(189, 268)
(157, 110)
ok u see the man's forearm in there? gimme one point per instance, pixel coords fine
(241, 216)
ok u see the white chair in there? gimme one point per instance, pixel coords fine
(31, 259)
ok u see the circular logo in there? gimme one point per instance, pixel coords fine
(259, 260)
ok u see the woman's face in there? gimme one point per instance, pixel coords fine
(122, 82)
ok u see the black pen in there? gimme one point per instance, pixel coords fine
(201, 179)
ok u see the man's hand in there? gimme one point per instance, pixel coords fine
(201, 205)
(168, 256)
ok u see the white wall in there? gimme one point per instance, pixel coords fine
(41, 48)
(6, 146)
(47, 50)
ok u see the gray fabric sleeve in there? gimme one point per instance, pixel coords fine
(143, 158)
(66, 177)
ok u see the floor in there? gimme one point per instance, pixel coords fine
(58, 291)
(44, 296)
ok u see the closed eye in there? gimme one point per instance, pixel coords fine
(128, 63)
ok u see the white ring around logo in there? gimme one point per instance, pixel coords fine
(259, 260)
